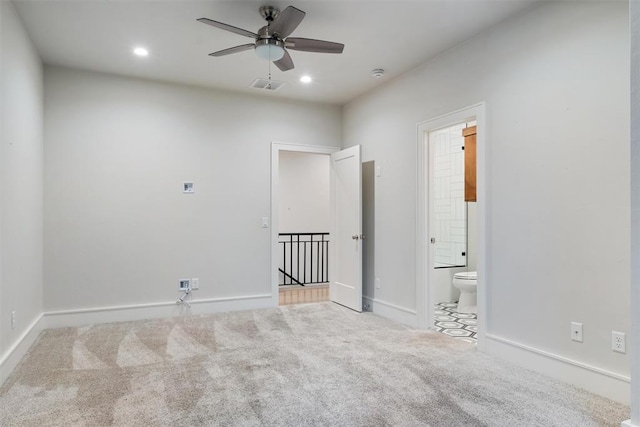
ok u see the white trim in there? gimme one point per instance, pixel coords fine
(596, 380)
(276, 147)
(424, 299)
(16, 352)
(394, 312)
(123, 313)
(627, 423)
(634, 145)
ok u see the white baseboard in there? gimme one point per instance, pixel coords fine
(391, 311)
(628, 424)
(95, 315)
(596, 380)
(10, 359)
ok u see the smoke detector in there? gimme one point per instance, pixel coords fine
(377, 73)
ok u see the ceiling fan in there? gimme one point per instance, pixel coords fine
(272, 41)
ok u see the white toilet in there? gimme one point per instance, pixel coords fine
(466, 282)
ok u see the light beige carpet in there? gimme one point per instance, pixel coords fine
(305, 365)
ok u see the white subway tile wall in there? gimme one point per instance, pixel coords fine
(450, 209)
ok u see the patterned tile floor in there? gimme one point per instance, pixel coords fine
(462, 326)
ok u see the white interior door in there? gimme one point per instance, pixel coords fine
(345, 259)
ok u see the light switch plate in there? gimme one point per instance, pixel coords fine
(265, 222)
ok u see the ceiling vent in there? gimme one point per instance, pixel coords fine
(264, 84)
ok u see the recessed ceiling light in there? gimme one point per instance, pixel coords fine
(305, 79)
(140, 51)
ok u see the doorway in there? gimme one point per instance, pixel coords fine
(299, 251)
(452, 223)
(448, 227)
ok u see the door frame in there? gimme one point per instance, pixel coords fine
(276, 148)
(424, 293)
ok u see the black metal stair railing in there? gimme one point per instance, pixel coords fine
(304, 258)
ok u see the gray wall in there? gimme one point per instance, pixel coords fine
(118, 229)
(20, 180)
(556, 85)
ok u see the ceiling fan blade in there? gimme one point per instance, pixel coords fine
(285, 63)
(235, 49)
(312, 45)
(286, 21)
(228, 27)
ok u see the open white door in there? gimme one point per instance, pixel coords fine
(345, 259)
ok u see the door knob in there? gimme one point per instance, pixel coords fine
(433, 240)
(355, 237)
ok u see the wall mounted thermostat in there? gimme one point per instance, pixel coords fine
(187, 187)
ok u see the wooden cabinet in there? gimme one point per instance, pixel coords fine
(469, 163)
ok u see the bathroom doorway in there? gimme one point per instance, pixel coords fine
(451, 224)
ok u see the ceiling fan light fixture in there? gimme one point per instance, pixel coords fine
(271, 39)
(270, 49)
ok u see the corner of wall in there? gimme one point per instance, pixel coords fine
(21, 190)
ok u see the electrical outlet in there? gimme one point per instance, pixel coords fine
(13, 319)
(184, 285)
(195, 283)
(576, 331)
(618, 343)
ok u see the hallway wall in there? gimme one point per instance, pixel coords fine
(304, 193)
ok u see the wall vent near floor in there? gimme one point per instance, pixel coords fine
(264, 84)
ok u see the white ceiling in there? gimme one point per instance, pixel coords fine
(393, 35)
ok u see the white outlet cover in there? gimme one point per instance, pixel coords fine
(618, 342)
(187, 187)
(195, 283)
